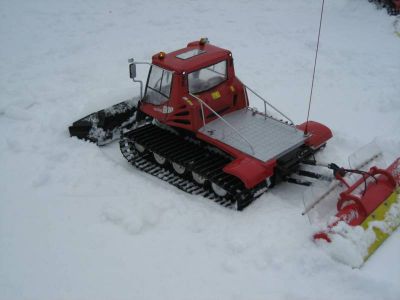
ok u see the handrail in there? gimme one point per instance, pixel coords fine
(266, 103)
(222, 119)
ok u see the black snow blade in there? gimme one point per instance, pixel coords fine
(104, 126)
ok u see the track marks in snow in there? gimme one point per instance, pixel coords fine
(135, 215)
(133, 222)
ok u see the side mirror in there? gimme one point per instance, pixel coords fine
(132, 74)
(132, 70)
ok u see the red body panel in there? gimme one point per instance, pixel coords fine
(184, 111)
(319, 133)
(250, 170)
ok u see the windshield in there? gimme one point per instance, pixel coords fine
(159, 86)
(207, 78)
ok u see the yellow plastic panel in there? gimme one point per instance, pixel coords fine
(386, 223)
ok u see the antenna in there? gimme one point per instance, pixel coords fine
(315, 65)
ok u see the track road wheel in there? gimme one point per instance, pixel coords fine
(140, 148)
(161, 160)
(179, 169)
(198, 178)
(218, 190)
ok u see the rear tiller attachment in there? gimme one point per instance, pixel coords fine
(372, 201)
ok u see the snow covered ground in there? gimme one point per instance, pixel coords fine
(77, 222)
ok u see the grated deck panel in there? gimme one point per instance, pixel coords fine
(269, 138)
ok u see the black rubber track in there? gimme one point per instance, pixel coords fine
(195, 157)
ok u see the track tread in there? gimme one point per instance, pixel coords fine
(192, 156)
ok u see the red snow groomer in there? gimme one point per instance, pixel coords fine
(193, 127)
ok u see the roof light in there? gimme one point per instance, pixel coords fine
(161, 55)
(203, 41)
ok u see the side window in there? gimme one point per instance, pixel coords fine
(159, 86)
(207, 78)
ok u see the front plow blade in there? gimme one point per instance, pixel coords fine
(367, 212)
(105, 125)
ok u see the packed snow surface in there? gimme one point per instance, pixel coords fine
(78, 222)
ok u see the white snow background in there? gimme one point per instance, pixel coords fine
(78, 222)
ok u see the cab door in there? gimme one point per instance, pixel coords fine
(158, 92)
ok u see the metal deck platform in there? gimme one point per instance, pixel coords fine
(269, 138)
